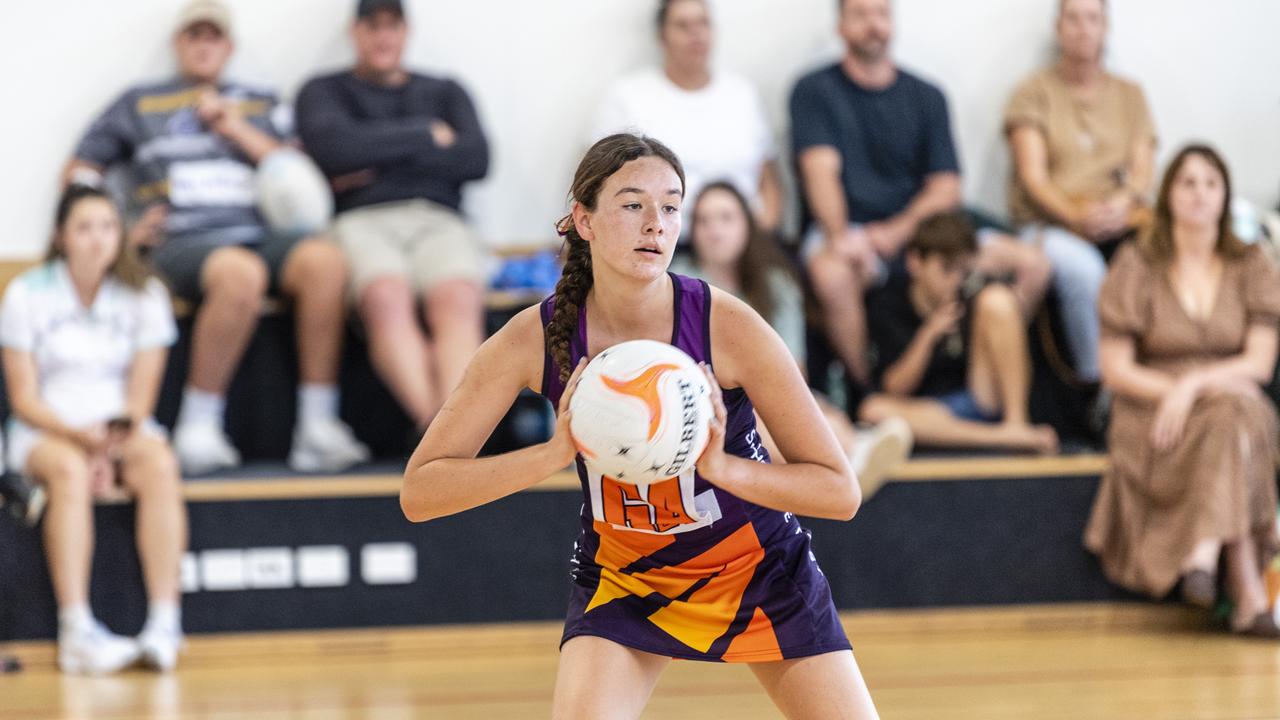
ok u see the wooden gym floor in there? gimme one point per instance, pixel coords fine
(1095, 662)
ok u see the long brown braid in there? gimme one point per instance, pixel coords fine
(604, 159)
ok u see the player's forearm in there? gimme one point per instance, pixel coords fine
(446, 486)
(801, 488)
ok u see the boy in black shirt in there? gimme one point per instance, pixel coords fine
(951, 352)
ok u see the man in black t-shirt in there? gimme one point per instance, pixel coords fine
(951, 352)
(874, 157)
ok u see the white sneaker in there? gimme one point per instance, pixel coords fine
(878, 452)
(325, 445)
(160, 647)
(95, 650)
(203, 448)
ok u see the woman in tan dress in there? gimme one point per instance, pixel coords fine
(1189, 332)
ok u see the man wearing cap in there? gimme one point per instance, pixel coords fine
(398, 148)
(192, 144)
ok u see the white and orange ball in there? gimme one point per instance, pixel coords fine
(641, 412)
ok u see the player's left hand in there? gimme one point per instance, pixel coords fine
(712, 462)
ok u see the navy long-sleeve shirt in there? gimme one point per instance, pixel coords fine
(381, 138)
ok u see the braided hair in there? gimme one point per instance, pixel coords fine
(604, 159)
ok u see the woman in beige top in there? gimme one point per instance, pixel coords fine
(1189, 332)
(1083, 144)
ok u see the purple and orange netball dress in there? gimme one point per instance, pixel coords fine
(682, 568)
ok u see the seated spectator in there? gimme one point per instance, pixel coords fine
(875, 157)
(1189, 332)
(951, 348)
(713, 119)
(1083, 145)
(193, 142)
(732, 253)
(84, 339)
(398, 148)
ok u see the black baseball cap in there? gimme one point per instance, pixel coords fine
(366, 8)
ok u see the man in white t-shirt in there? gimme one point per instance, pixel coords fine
(714, 121)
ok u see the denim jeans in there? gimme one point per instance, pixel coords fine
(1078, 271)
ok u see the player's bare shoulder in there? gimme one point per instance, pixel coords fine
(740, 338)
(516, 349)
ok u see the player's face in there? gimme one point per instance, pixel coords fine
(91, 236)
(686, 35)
(1198, 195)
(867, 28)
(1082, 29)
(202, 52)
(720, 228)
(636, 223)
(379, 41)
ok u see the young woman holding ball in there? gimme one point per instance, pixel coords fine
(736, 584)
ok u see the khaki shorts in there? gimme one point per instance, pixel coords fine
(423, 242)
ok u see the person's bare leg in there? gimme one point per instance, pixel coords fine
(599, 679)
(454, 312)
(933, 424)
(844, 316)
(397, 347)
(150, 471)
(1244, 582)
(68, 518)
(314, 276)
(819, 687)
(1004, 254)
(234, 281)
(999, 361)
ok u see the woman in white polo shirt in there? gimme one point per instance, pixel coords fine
(85, 337)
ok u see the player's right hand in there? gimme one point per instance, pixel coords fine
(562, 440)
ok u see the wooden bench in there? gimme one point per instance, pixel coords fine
(293, 487)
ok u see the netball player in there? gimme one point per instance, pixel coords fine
(733, 581)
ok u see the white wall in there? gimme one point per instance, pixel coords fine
(1211, 71)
